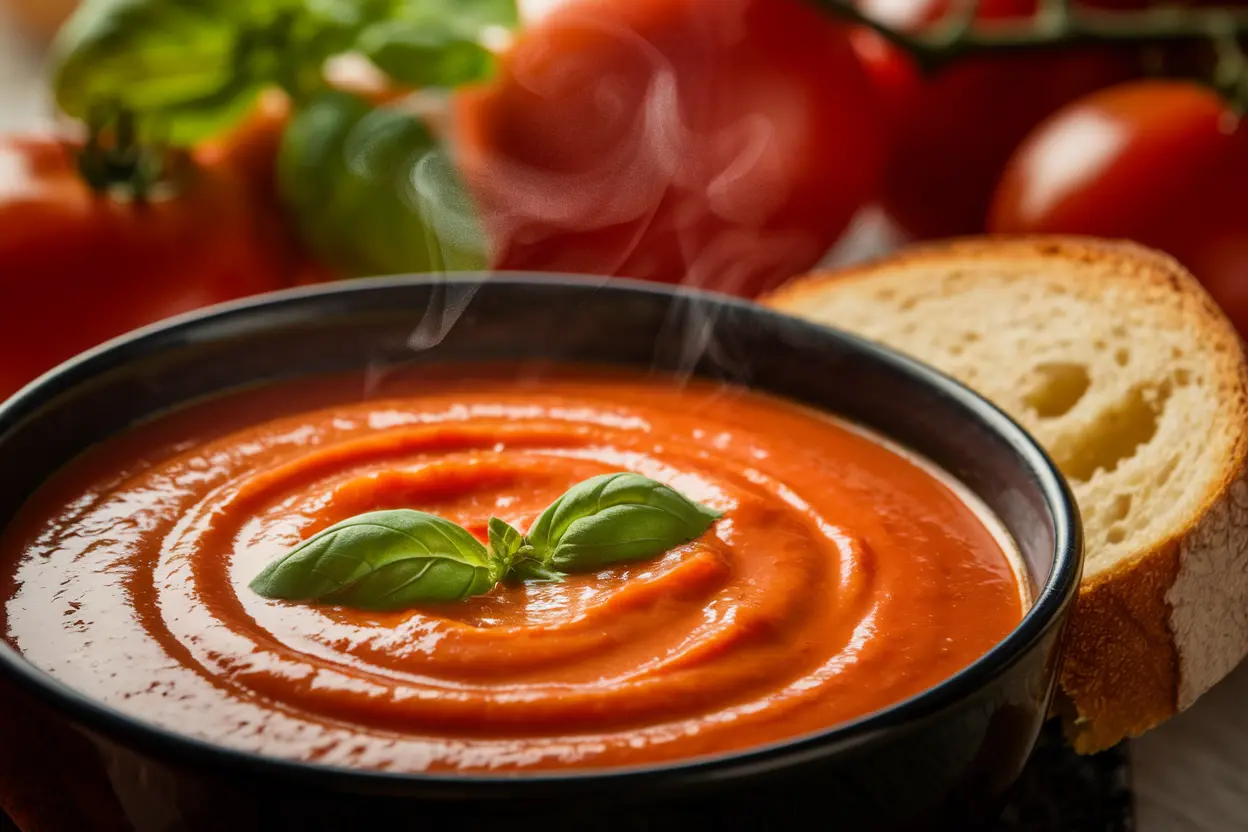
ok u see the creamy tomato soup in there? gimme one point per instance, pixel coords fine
(842, 576)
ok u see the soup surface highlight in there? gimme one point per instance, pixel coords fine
(842, 578)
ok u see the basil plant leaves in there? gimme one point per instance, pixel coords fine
(187, 70)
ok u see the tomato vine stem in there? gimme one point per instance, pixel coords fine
(115, 161)
(1056, 25)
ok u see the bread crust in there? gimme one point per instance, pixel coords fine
(1153, 632)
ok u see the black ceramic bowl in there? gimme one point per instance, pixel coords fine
(938, 759)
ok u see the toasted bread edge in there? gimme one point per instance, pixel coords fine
(1151, 633)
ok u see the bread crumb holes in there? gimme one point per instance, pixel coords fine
(1057, 389)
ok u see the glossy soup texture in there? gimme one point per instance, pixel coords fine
(842, 578)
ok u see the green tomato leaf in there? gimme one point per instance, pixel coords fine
(615, 518)
(433, 54)
(383, 560)
(373, 194)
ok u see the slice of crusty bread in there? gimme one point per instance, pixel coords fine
(1120, 365)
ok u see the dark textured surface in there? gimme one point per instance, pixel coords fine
(1063, 792)
(1059, 792)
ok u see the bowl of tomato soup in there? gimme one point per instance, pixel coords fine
(801, 573)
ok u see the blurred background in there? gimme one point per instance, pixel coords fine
(24, 100)
(648, 139)
(1135, 140)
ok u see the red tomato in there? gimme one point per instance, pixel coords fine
(948, 150)
(894, 77)
(250, 149)
(720, 143)
(77, 269)
(250, 152)
(1163, 163)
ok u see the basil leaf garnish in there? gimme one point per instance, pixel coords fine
(615, 518)
(388, 560)
(383, 560)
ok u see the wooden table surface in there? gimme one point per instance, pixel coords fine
(1190, 775)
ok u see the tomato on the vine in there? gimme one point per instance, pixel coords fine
(78, 267)
(956, 133)
(1163, 163)
(719, 143)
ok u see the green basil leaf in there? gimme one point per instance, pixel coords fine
(383, 560)
(455, 240)
(341, 20)
(615, 518)
(311, 161)
(431, 43)
(190, 69)
(142, 56)
(353, 14)
(468, 17)
(481, 14)
(251, 11)
(433, 54)
(372, 193)
(192, 121)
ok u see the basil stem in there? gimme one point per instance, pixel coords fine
(505, 542)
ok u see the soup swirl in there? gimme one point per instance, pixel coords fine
(843, 576)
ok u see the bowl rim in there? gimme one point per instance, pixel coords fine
(1047, 610)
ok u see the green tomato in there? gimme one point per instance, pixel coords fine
(373, 193)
